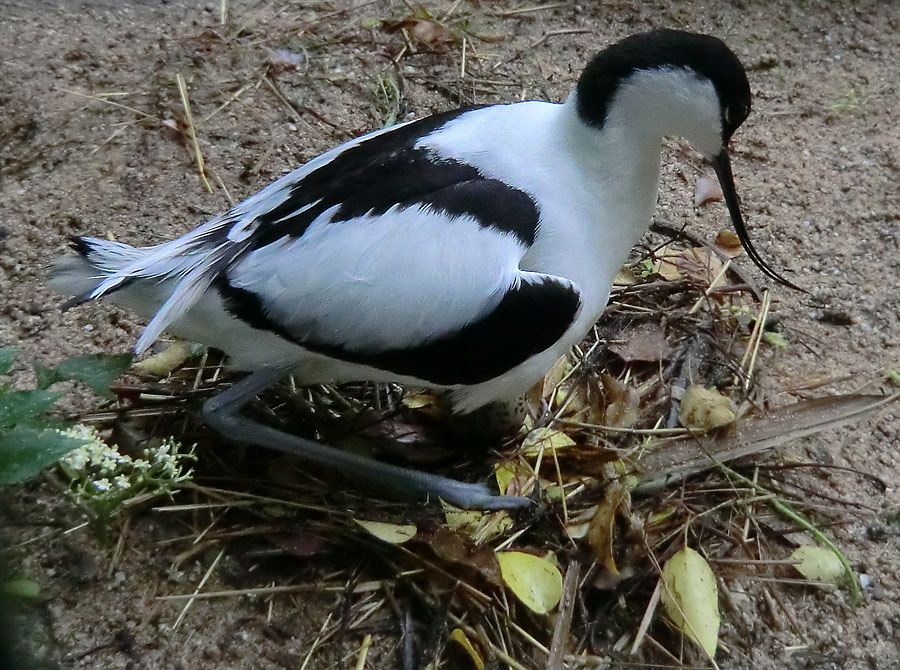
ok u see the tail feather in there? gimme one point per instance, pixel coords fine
(78, 275)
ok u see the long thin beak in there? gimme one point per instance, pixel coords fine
(722, 165)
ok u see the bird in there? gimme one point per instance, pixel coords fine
(463, 252)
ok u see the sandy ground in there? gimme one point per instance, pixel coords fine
(817, 166)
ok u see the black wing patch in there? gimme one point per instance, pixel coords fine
(388, 170)
(529, 319)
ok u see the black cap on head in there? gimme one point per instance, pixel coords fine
(706, 55)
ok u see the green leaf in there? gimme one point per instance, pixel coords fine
(21, 588)
(46, 377)
(17, 406)
(7, 354)
(25, 451)
(95, 370)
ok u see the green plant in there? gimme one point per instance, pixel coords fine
(103, 479)
(30, 437)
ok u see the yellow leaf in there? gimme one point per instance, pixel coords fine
(417, 401)
(665, 263)
(819, 565)
(546, 439)
(691, 598)
(170, 358)
(625, 277)
(392, 533)
(513, 478)
(534, 580)
(459, 636)
(705, 409)
(461, 519)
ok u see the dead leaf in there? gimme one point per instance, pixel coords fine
(644, 341)
(666, 266)
(169, 359)
(700, 266)
(704, 409)
(707, 189)
(459, 636)
(417, 400)
(729, 244)
(302, 544)
(280, 60)
(392, 533)
(601, 533)
(553, 378)
(625, 277)
(546, 440)
(622, 402)
(425, 31)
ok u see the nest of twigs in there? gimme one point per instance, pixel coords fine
(624, 473)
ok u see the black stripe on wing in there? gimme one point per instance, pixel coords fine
(529, 319)
(386, 171)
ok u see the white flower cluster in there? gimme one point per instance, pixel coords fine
(100, 474)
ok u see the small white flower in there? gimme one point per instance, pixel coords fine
(123, 482)
(102, 485)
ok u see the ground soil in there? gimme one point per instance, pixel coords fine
(87, 146)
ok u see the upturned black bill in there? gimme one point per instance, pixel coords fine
(722, 165)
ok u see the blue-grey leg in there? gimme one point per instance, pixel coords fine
(222, 413)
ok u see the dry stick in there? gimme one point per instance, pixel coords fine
(648, 617)
(234, 96)
(538, 8)
(564, 618)
(190, 602)
(317, 642)
(110, 102)
(761, 322)
(182, 90)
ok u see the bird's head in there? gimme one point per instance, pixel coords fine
(670, 82)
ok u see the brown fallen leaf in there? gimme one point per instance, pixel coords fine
(700, 266)
(704, 409)
(728, 244)
(666, 266)
(622, 402)
(602, 529)
(707, 189)
(642, 342)
(425, 31)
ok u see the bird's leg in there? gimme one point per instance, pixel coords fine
(222, 413)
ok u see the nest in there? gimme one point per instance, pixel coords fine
(623, 449)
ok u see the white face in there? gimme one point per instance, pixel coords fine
(670, 101)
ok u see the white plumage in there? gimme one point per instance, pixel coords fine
(464, 252)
